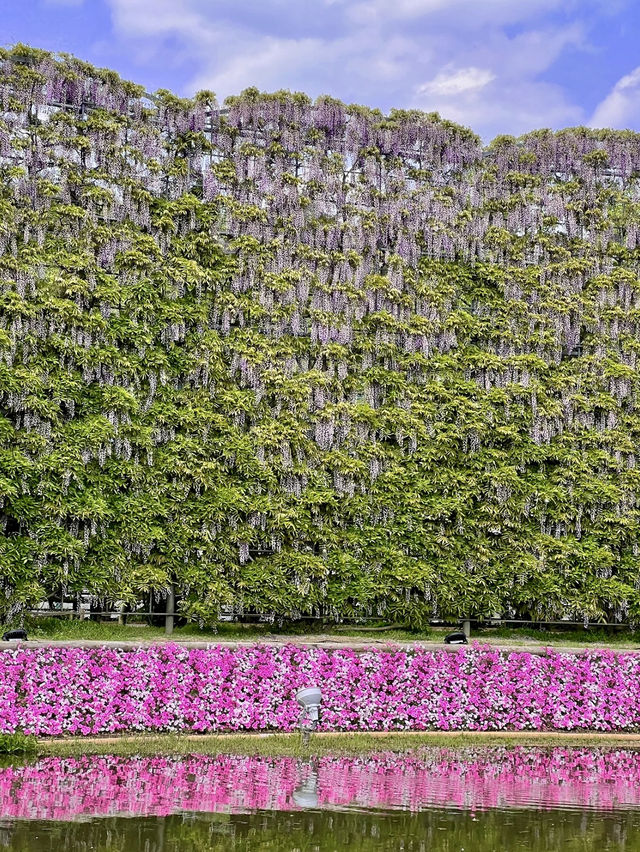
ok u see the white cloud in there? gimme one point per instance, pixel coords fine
(505, 94)
(533, 51)
(504, 107)
(462, 57)
(268, 63)
(452, 82)
(464, 13)
(621, 107)
(150, 18)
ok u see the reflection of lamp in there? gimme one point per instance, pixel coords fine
(309, 700)
(306, 795)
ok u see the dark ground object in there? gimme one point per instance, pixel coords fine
(456, 638)
(14, 634)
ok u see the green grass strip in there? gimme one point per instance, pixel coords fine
(278, 745)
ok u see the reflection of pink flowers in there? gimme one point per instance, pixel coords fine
(66, 690)
(66, 788)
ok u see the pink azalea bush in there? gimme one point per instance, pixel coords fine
(82, 691)
(467, 779)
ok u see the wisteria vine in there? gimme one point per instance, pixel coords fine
(304, 358)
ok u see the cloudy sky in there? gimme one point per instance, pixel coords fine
(497, 66)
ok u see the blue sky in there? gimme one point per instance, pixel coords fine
(497, 66)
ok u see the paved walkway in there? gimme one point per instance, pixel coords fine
(328, 642)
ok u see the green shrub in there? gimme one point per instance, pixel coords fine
(17, 744)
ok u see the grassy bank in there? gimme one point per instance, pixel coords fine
(278, 745)
(63, 628)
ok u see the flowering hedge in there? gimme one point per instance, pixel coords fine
(72, 690)
(467, 779)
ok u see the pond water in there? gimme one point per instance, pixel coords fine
(436, 799)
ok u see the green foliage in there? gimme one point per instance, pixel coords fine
(270, 406)
(17, 744)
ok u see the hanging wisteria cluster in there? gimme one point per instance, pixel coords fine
(305, 358)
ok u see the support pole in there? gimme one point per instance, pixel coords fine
(466, 628)
(171, 607)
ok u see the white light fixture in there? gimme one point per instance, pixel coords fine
(309, 700)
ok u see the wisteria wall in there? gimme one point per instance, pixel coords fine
(51, 691)
(304, 358)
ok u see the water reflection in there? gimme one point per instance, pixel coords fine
(306, 794)
(434, 830)
(469, 780)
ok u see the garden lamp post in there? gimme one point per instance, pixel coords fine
(309, 700)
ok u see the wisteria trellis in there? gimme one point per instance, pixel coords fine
(306, 358)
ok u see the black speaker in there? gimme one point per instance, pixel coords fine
(457, 638)
(14, 634)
